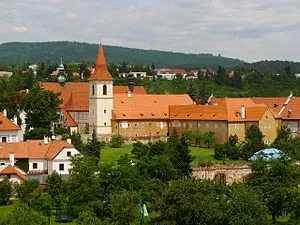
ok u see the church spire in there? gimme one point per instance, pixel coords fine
(101, 73)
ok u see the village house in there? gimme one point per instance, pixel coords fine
(9, 130)
(43, 156)
(13, 173)
(169, 73)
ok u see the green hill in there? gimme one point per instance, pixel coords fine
(275, 66)
(27, 52)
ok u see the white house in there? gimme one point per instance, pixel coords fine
(43, 156)
(9, 130)
(13, 173)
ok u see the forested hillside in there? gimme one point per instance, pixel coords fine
(21, 52)
(276, 66)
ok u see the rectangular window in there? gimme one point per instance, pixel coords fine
(207, 125)
(142, 125)
(236, 126)
(129, 125)
(3, 139)
(191, 125)
(69, 154)
(34, 165)
(184, 124)
(61, 167)
(150, 124)
(157, 124)
(198, 125)
(216, 126)
(136, 125)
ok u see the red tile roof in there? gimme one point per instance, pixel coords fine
(291, 109)
(14, 170)
(234, 106)
(198, 112)
(101, 72)
(139, 107)
(228, 109)
(7, 125)
(75, 95)
(33, 149)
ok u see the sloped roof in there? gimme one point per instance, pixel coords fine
(146, 106)
(14, 170)
(7, 125)
(291, 110)
(223, 109)
(75, 95)
(255, 113)
(234, 107)
(33, 149)
(198, 112)
(101, 73)
(69, 120)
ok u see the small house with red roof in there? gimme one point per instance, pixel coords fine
(43, 156)
(9, 130)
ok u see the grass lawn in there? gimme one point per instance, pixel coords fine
(112, 154)
(202, 155)
(5, 210)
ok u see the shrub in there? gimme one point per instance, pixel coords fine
(221, 151)
(5, 191)
(61, 130)
(37, 134)
(116, 141)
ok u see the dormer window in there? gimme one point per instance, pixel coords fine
(104, 89)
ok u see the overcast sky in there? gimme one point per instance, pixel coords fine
(250, 30)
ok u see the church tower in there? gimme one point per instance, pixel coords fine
(100, 97)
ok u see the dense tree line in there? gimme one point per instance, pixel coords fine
(154, 186)
(17, 52)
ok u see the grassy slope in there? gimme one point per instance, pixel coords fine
(202, 155)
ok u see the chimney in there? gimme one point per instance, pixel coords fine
(5, 112)
(46, 140)
(243, 112)
(16, 120)
(131, 86)
(12, 158)
(289, 113)
(69, 140)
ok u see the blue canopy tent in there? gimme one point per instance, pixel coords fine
(267, 154)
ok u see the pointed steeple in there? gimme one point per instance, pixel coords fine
(101, 73)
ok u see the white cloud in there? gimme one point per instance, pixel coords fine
(21, 29)
(250, 30)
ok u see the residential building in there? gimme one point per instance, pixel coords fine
(9, 130)
(42, 156)
(13, 173)
(6, 74)
(138, 75)
(169, 73)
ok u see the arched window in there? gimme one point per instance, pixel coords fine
(93, 89)
(104, 89)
